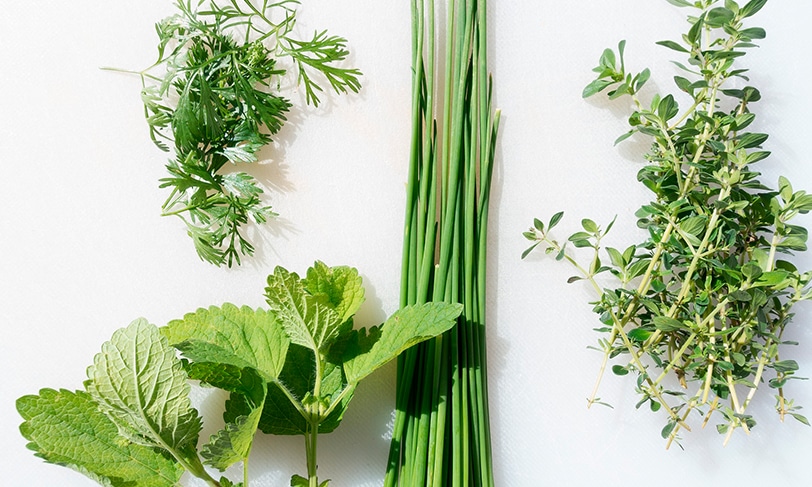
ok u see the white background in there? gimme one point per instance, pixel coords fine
(84, 251)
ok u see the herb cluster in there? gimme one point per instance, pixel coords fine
(290, 370)
(442, 428)
(707, 297)
(213, 95)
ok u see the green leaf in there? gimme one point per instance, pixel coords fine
(616, 257)
(639, 334)
(786, 366)
(719, 16)
(233, 443)
(589, 225)
(668, 108)
(66, 428)
(554, 220)
(753, 33)
(242, 337)
(341, 287)
(619, 370)
(307, 321)
(666, 324)
(596, 86)
(672, 45)
(280, 416)
(140, 384)
(750, 140)
(530, 249)
(751, 8)
(694, 225)
(800, 418)
(369, 350)
(680, 3)
(624, 137)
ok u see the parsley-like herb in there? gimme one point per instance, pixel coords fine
(212, 95)
(703, 303)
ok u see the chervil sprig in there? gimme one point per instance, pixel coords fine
(212, 97)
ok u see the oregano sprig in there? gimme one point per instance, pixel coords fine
(213, 97)
(701, 306)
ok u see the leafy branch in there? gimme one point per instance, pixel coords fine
(706, 298)
(289, 370)
(213, 96)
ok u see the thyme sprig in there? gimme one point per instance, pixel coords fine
(213, 95)
(705, 300)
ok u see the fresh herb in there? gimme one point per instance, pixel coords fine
(704, 301)
(291, 370)
(213, 95)
(442, 384)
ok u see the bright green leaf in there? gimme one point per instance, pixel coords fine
(341, 286)
(139, 382)
(369, 350)
(242, 337)
(66, 428)
(307, 321)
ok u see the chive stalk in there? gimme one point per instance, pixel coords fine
(441, 434)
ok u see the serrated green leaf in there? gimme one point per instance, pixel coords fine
(66, 428)
(138, 381)
(369, 350)
(233, 443)
(341, 287)
(242, 337)
(307, 321)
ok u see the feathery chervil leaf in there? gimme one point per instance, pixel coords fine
(369, 350)
(242, 337)
(140, 384)
(66, 428)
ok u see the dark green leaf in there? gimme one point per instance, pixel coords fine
(672, 45)
(786, 366)
(619, 370)
(752, 7)
(719, 16)
(595, 86)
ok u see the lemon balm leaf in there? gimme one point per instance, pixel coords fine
(242, 337)
(138, 381)
(370, 349)
(66, 428)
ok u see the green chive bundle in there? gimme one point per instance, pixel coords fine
(442, 435)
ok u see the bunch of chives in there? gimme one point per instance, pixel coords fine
(442, 435)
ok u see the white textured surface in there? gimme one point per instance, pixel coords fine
(84, 250)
